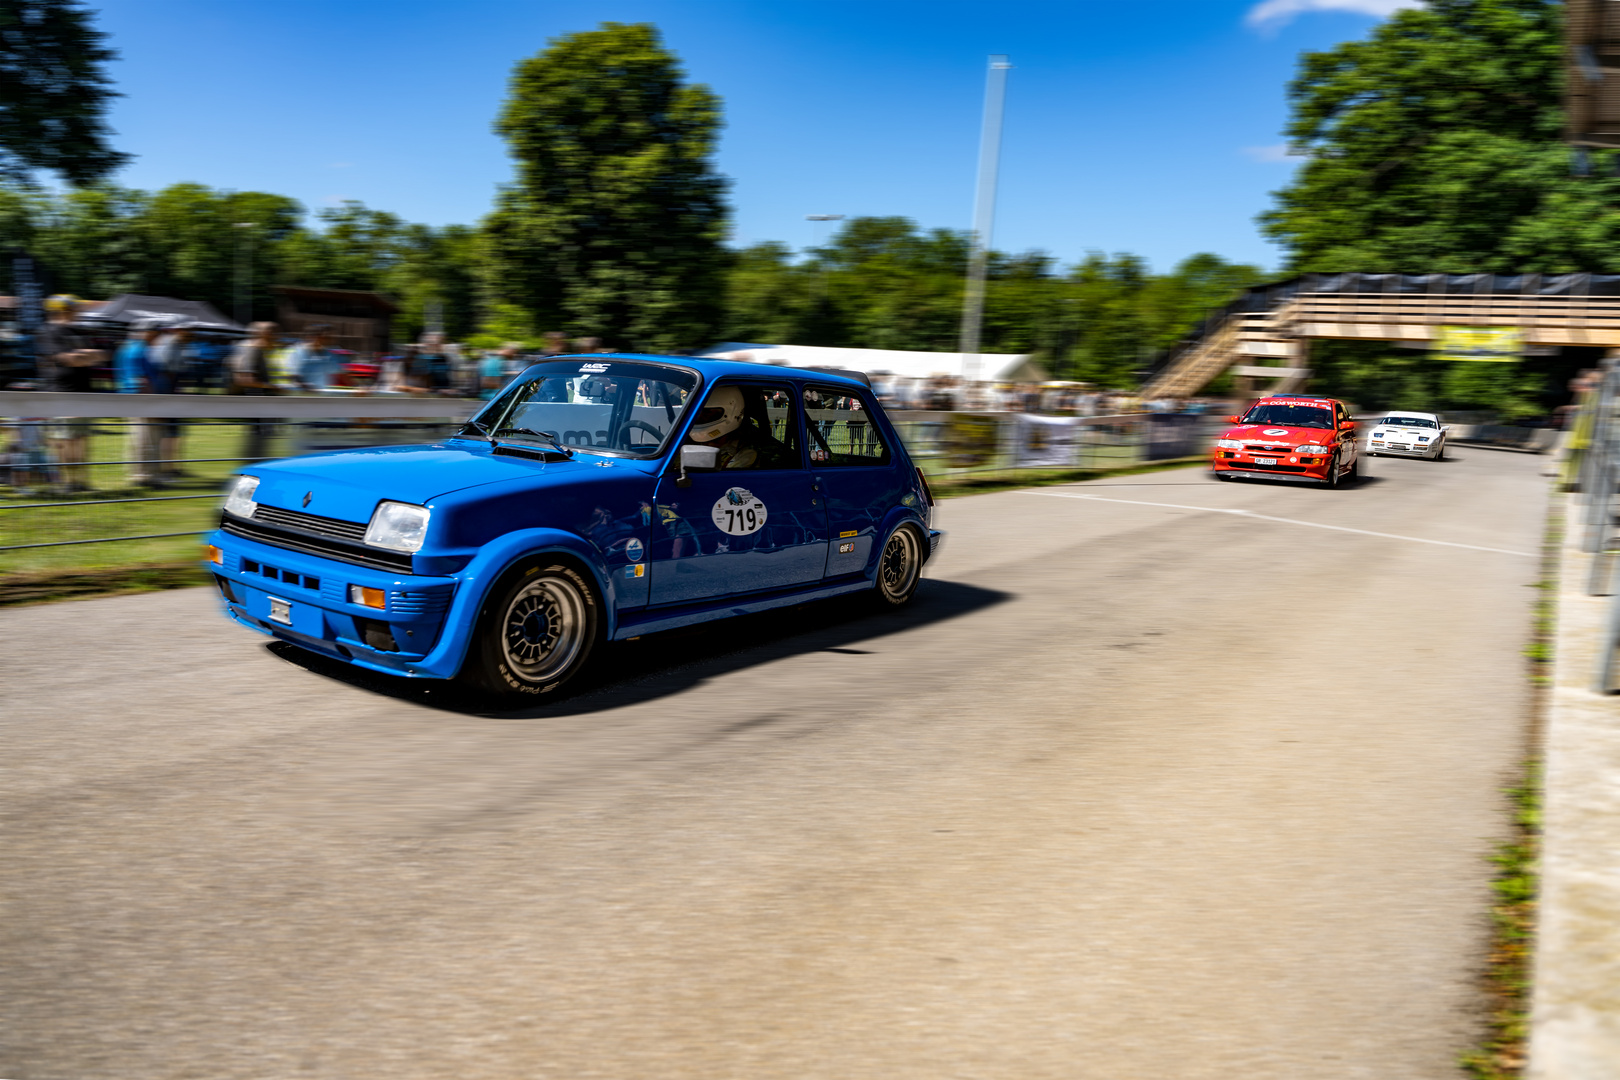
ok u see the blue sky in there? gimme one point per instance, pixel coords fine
(1149, 126)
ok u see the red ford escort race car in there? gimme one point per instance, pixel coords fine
(1309, 439)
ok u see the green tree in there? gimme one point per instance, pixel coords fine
(1434, 146)
(614, 223)
(53, 92)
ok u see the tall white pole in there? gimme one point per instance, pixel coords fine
(984, 213)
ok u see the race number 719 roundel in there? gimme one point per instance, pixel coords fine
(739, 512)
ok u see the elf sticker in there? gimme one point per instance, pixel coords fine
(738, 512)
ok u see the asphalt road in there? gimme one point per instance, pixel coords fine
(1133, 790)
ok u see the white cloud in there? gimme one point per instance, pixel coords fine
(1271, 154)
(1270, 14)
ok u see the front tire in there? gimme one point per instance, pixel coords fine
(1333, 473)
(899, 568)
(536, 633)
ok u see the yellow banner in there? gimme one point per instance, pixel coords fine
(1491, 344)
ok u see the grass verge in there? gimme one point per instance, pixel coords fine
(54, 585)
(1502, 1052)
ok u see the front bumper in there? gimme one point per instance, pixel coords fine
(1401, 451)
(1242, 465)
(313, 609)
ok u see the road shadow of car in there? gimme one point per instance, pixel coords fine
(658, 665)
(1361, 481)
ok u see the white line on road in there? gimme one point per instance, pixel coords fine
(1286, 521)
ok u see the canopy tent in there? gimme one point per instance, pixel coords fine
(130, 308)
(992, 367)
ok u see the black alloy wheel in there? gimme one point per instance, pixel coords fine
(899, 567)
(1333, 471)
(537, 632)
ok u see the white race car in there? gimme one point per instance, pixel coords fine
(1409, 434)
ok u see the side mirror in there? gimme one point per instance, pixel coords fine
(1348, 425)
(695, 457)
(1234, 420)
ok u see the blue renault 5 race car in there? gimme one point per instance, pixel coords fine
(596, 498)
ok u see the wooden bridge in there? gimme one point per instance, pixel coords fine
(1266, 333)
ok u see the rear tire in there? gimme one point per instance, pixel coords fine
(537, 631)
(899, 568)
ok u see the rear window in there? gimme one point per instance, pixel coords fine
(841, 429)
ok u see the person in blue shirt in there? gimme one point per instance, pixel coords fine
(132, 370)
(312, 363)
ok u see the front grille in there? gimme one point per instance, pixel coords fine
(1258, 449)
(310, 523)
(327, 547)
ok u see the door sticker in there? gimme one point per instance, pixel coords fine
(633, 549)
(738, 512)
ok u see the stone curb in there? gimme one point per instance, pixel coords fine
(1575, 1010)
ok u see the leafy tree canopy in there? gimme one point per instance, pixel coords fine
(1434, 146)
(882, 283)
(53, 92)
(614, 224)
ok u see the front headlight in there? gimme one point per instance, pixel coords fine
(1310, 449)
(1229, 444)
(1424, 438)
(239, 500)
(398, 526)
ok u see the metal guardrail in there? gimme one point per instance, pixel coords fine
(235, 407)
(1598, 481)
(225, 432)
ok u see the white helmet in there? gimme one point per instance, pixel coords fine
(720, 415)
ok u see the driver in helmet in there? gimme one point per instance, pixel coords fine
(719, 424)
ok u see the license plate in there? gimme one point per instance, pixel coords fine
(281, 611)
(1265, 461)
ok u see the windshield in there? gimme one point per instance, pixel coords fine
(1406, 421)
(1290, 416)
(603, 406)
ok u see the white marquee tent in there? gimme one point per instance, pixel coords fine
(993, 367)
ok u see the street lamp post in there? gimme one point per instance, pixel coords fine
(984, 214)
(815, 230)
(815, 238)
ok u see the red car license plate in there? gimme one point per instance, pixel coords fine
(1265, 461)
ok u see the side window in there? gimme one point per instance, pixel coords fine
(752, 426)
(840, 429)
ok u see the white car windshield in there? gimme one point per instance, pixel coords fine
(1406, 421)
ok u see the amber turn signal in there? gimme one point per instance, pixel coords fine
(214, 554)
(373, 598)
